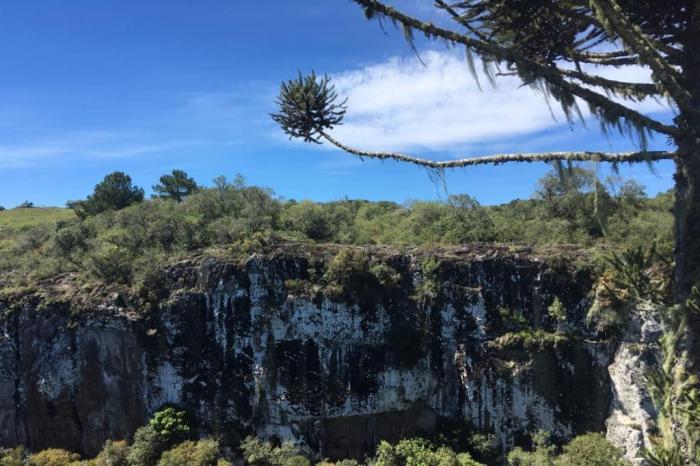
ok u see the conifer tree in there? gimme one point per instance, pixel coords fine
(176, 185)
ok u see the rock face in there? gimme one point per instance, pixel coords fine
(269, 348)
(633, 415)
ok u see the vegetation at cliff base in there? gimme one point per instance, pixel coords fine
(168, 440)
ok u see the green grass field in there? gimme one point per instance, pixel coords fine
(22, 219)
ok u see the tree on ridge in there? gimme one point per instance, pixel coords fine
(176, 185)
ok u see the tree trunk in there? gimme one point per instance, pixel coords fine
(687, 236)
(687, 208)
(687, 220)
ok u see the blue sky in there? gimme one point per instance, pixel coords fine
(147, 86)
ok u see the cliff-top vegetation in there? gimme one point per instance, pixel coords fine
(116, 236)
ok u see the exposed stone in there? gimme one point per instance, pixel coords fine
(244, 356)
(633, 414)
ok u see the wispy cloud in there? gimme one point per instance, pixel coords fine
(94, 144)
(402, 105)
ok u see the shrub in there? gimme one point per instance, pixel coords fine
(387, 277)
(189, 453)
(348, 275)
(513, 320)
(54, 457)
(297, 460)
(529, 340)
(13, 457)
(349, 267)
(70, 239)
(257, 453)
(420, 452)
(111, 263)
(347, 463)
(171, 424)
(557, 311)
(591, 449)
(307, 218)
(112, 454)
(147, 447)
(428, 289)
(543, 453)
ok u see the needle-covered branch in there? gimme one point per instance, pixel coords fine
(613, 18)
(497, 159)
(636, 91)
(529, 70)
(307, 105)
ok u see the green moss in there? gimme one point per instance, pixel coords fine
(512, 320)
(298, 287)
(428, 290)
(529, 340)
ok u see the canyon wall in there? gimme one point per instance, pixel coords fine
(269, 346)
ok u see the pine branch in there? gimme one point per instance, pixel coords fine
(602, 59)
(548, 73)
(625, 89)
(615, 20)
(497, 159)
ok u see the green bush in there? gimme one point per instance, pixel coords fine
(308, 218)
(348, 276)
(112, 454)
(557, 311)
(387, 277)
(297, 460)
(190, 453)
(513, 320)
(171, 424)
(257, 453)
(111, 263)
(147, 447)
(17, 456)
(529, 340)
(54, 457)
(419, 452)
(347, 463)
(591, 449)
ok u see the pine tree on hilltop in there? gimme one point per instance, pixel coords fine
(176, 186)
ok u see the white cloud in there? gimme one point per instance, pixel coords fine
(402, 105)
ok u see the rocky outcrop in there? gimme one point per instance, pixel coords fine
(633, 415)
(266, 347)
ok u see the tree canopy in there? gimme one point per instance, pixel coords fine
(175, 186)
(114, 192)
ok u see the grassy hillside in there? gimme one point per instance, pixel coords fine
(24, 218)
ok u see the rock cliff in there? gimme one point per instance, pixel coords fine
(265, 346)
